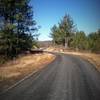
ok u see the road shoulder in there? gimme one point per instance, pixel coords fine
(16, 71)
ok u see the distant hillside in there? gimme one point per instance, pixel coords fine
(45, 43)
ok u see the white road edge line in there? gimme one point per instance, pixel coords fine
(14, 85)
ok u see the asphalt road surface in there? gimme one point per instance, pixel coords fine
(66, 78)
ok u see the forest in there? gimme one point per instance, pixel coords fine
(17, 28)
(65, 33)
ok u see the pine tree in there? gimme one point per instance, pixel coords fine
(67, 27)
(16, 25)
(62, 34)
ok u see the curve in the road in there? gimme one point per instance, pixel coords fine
(66, 78)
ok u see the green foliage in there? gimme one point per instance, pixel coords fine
(56, 35)
(80, 41)
(63, 33)
(16, 26)
(94, 41)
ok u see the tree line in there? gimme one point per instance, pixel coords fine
(66, 34)
(16, 27)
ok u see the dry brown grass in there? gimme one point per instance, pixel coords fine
(54, 49)
(17, 69)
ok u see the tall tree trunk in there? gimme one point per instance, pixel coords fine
(54, 42)
(66, 42)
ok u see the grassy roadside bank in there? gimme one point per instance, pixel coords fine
(15, 70)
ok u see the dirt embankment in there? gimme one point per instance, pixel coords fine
(15, 70)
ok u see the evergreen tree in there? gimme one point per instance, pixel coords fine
(55, 34)
(63, 33)
(94, 41)
(80, 41)
(16, 26)
(67, 27)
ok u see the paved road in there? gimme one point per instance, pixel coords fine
(66, 78)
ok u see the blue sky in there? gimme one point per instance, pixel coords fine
(85, 13)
